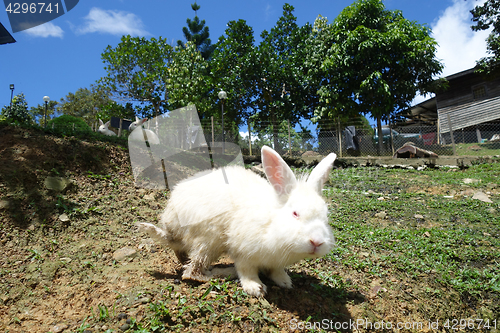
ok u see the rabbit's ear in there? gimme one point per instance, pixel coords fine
(277, 171)
(107, 123)
(100, 122)
(320, 173)
(137, 119)
(143, 121)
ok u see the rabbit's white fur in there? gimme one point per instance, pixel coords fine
(103, 128)
(138, 135)
(261, 226)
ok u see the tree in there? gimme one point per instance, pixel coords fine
(18, 111)
(137, 72)
(38, 112)
(375, 62)
(281, 92)
(185, 79)
(86, 103)
(232, 69)
(197, 33)
(487, 16)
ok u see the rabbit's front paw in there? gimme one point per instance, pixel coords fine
(281, 278)
(253, 288)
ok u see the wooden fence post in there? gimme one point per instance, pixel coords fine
(120, 128)
(340, 137)
(213, 136)
(289, 139)
(451, 134)
(249, 138)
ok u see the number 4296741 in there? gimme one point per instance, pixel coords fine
(32, 8)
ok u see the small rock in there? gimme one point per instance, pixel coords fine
(427, 234)
(124, 327)
(124, 253)
(63, 217)
(481, 196)
(471, 181)
(122, 316)
(57, 183)
(381, 199)
(418, 216)
(376, 290)
(144, 300)
(492, 210)
(364, 254)
(4, 204)
(149, 197)
(65, 260)
(59, 328)
(381, 215)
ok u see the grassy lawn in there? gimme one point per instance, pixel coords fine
(413, 248)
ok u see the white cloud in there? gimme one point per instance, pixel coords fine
(45, 30)
(459, 47)
(268, 12)
(112, 22)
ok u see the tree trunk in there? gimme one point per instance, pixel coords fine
(380, 146)
(275, 132)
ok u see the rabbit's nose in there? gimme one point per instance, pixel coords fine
(316, 243)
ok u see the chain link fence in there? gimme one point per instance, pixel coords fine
(356, 138)
(353, 138)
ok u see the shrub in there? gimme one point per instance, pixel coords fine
(64, 125)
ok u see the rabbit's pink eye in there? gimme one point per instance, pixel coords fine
(295, 214)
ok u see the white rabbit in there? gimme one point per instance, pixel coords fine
(103, 128)
(261, 226)
(138, 135)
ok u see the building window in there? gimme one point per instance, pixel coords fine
(479, 92)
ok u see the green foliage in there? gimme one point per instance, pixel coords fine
(137, 71)
(282, 94)
(18, 112)
(38, 112)
(197, 33)
(374, 61)
(68, 123)
(487, 16)
(86, 103)
(185, 79)
(232, 69)
(113, 109)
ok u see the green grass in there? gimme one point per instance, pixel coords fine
(456, 242)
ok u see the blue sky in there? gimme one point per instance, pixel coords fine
(65, 54)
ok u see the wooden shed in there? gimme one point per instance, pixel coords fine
(471, 99)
